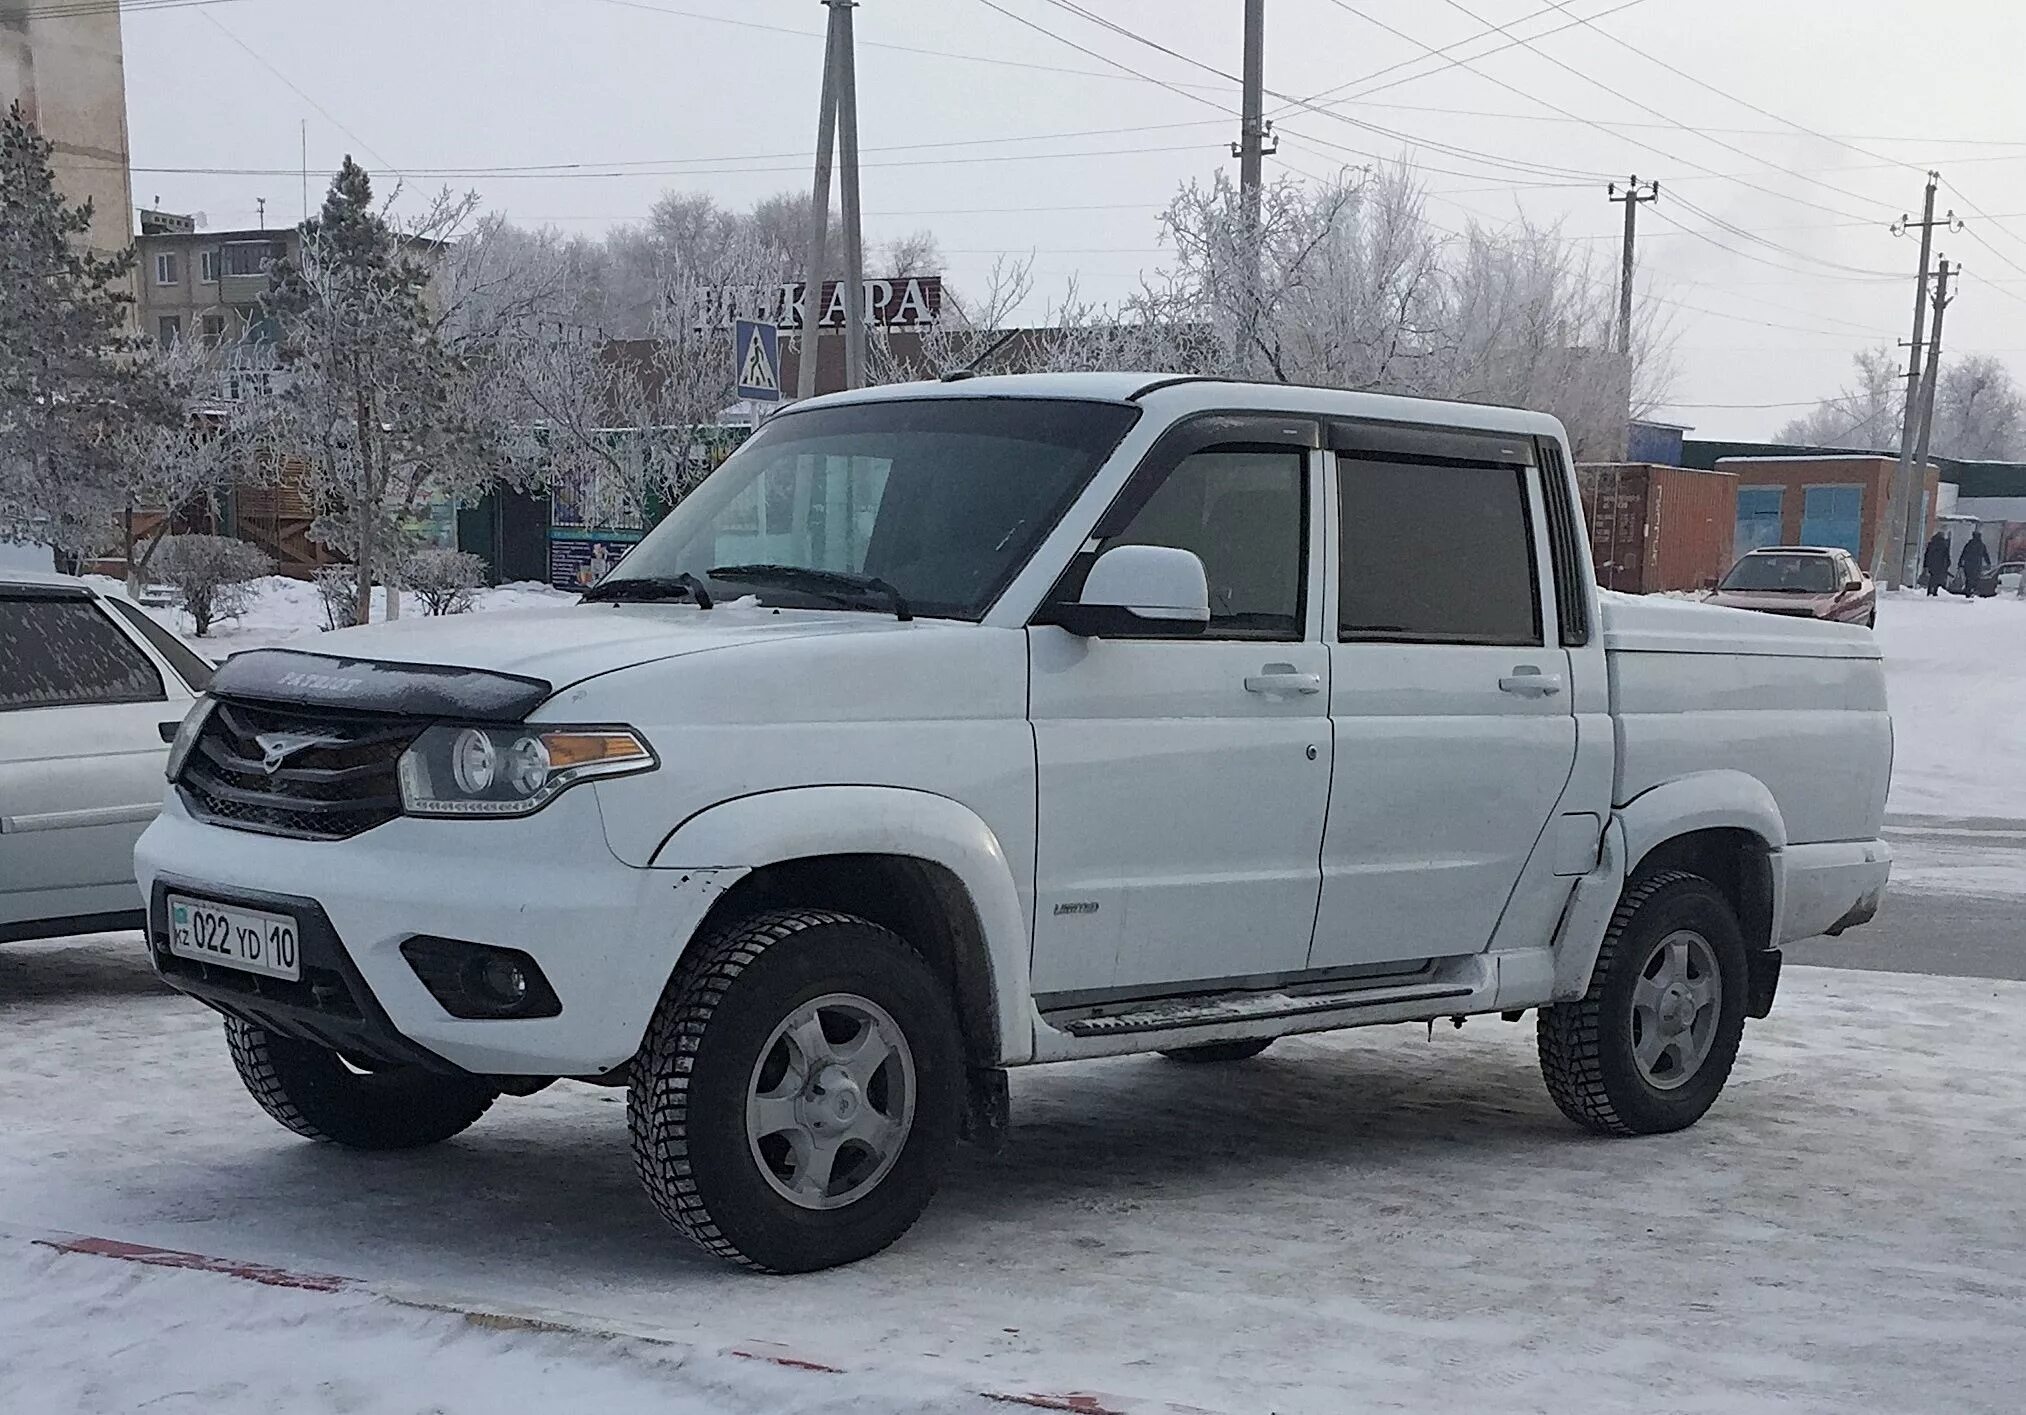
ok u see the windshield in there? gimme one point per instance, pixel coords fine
(940, 499)
(1803, 574)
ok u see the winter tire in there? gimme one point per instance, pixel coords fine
(314, 1092)
(1244, 1049)
(799, 1092)
(1650, 1045)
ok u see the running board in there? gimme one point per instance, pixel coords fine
(1250, 1007)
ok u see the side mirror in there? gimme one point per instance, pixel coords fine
(1709, 583)
(1140, 592)
(1851, 587)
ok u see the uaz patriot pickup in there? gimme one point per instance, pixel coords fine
(957, 727)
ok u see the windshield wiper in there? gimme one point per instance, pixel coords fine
(840, 585)
(643, 588)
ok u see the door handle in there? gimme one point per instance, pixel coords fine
(1527, 681)
(1283, 681)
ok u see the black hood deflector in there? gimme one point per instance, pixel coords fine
(365, 685)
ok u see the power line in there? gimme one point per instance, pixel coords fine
(1562, 5)
(1526, 166)
(454, 174)
(678, 13)
(1444, 53)
(293, 88)
(1532, 97)
(82, 9)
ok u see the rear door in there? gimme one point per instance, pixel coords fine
(82, 709)
(1451, 704)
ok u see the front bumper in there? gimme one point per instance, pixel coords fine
(605, 934)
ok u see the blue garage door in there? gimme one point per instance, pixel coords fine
(1833, 515)
(1758, 518)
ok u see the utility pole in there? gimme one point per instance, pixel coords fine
(1631, 198)
(1254, 133)
(1909, 531)
(854, 232)
(836, 128)
(1904, 477)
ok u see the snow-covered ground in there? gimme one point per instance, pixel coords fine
(1377, 1220)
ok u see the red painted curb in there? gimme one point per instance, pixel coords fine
(197, 1262)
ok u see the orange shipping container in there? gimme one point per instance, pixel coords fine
(1658, 528)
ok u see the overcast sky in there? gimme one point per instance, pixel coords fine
(972, 128)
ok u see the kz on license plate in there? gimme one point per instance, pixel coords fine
(234, 938)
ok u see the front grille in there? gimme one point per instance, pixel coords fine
(335, 775)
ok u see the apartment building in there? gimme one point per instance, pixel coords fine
(203, 284)
(65, 66)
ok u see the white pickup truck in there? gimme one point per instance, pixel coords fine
(957, 727)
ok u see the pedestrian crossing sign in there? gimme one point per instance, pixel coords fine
(756, 349)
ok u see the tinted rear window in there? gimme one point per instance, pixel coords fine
(62, 651)
(1436, 554)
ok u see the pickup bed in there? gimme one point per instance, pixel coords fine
(957, 727)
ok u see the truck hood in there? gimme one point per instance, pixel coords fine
(566, 644)
(1663, 624)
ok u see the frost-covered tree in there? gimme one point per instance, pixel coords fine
(380, 406)
(72, 387)
(1864, 414)
(215, 577)
(1347, 285)
(1980, 413)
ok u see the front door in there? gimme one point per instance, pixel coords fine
(1450, 695)
(1182, 782)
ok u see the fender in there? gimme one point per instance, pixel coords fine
(802, 822)
(1706, 800)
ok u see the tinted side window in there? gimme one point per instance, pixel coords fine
(189, 665)
(1436, 554)
(57, 652)
(1245, 516)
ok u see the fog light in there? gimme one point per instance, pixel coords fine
(481, 981)
(500, 980)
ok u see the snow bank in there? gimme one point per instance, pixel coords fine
(285, 610)
(1956, 678)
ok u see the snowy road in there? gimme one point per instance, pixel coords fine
(1374, 1220)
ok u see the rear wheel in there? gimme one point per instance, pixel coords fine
(316, 1093)
(799, 1093)
(1649, 1047)
(1243, 1049)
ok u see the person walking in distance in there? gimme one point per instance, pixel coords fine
(1974, 562)
(1935, 561)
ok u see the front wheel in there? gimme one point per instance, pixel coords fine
(1649, 1046)
(799, 1093)
(316, 1093)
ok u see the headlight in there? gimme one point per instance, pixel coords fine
(511, 771)
(186, 736)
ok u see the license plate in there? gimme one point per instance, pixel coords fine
(231, 937)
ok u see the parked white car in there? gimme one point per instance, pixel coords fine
(89, 689)
(956, 727)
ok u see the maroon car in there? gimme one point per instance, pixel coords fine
(1804, 581)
